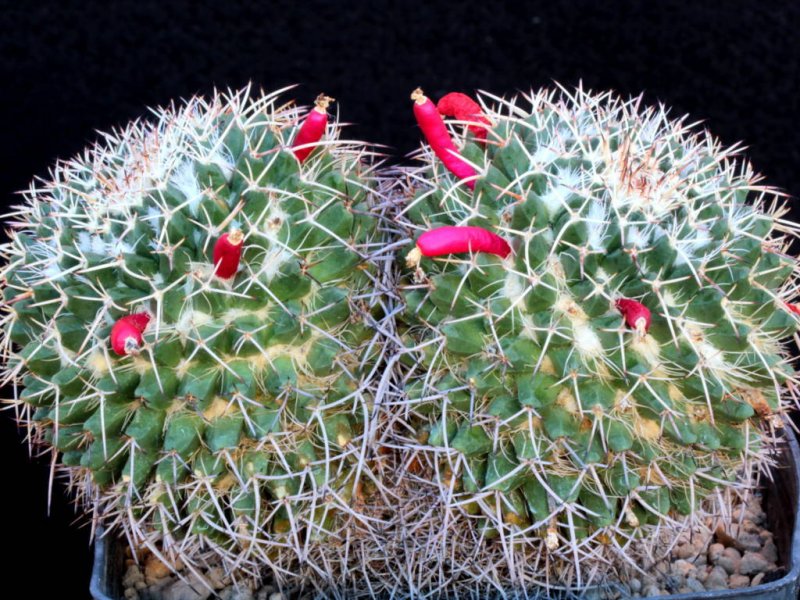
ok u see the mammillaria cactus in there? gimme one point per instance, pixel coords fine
(597, 306)
(201, 325)
(188, 328)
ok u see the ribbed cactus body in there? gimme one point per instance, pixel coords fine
(543, 416)
(236, 425)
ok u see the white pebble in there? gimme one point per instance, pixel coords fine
(132, 575)
(694, 585)
(730, 560)
(750, 541)
(683, 568)
(243, 593)
(752, 563)
(717, 579)
(190, 589)
(739, 581)
(770, 552)
(714, 552)
(652, 590)
(749, 526)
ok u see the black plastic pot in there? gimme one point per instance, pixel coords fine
(781, 503)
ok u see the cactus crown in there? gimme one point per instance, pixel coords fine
(231, 416)
(623, 362)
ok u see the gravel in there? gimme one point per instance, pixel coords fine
(753, 563)
(717, 579)
(730, 560)
(740, 557)
(715, 552)
(738, 581)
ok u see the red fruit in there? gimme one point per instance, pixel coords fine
(464, 108)
(637, 315)
(793, 308)
(227, 253)
(458, 240)
(435, 131)
(312, 129)
(140, 320)
(126, 334)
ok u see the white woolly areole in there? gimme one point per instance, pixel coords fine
(274, 259)
(543, 156)
(638, 236)
(514, 286)
(185, 180)
(601, 275)
(647, 347)
(586, 340)
(597, 225)
(669, 298)
(555, 198)
(713, 356)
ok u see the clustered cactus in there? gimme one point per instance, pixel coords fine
(499, 370)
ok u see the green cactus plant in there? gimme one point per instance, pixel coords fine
(229, 416)
(207, 322)
(625, 360)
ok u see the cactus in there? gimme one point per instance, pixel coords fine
(623, 363)
(188, 326)
(203, 325)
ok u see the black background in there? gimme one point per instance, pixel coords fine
(67, 69)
